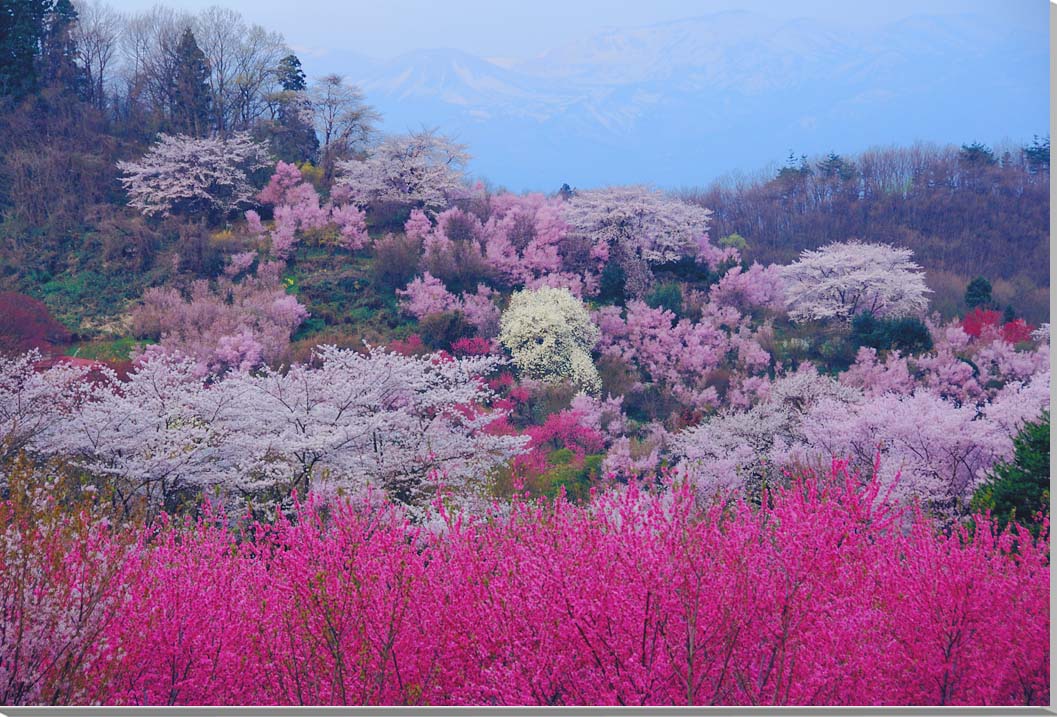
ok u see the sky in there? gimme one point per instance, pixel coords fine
(494, 29)
(959, 71)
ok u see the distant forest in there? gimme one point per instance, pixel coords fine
(965, 212)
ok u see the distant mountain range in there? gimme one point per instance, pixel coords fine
(680, 103)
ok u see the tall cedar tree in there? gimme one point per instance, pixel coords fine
(190, 92)
(22, 30)
(58, 58)
(291, 135)
(290, 75)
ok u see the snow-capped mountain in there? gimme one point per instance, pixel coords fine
(679, 103)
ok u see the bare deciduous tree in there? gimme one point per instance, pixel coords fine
(343, 119)
(97, 32)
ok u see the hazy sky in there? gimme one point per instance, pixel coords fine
(493, 28)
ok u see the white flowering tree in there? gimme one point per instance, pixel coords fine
(33, 403)
(637, 226)
(421, 169)
(406, 425)
(843, 279)
(550, 334)
(185, 175)
(151, 435)
(743, 450)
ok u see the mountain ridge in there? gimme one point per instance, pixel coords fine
(638, 91)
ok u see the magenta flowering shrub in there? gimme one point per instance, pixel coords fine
(825, 595)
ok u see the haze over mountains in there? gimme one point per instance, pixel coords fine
(683, 102)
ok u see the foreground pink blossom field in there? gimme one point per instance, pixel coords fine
(824, 595)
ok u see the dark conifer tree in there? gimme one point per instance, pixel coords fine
(58, 58)
(22, 29)
(291, 76)
(291, 134)
(190, 95)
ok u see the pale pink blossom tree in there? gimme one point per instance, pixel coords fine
(420, 169)
(745, 450)
(843, 279)
(184, 175)
(638, 227)
(33, 402)
(410, 426)
(407, 425)
(231, 325)
(929, 449)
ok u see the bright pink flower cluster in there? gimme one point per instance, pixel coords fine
(823, 596)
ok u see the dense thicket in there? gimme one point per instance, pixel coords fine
(824, 595)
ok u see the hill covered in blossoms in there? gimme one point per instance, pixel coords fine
(293, 412)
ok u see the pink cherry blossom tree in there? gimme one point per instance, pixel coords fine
(843, 279)
(231, 325)
(184, 175)
(929, 449)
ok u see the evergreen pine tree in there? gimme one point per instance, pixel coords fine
(22, 29)
(190, 95)
(1019, 491)
(58, 58)
(978, 293)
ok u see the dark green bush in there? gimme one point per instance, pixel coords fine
(1019, 492)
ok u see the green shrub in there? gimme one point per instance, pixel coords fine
(908, 335)
(668, 295)
(1019, 492)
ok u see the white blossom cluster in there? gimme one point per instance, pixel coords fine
(637, 226)
(182, 174)
(550, 334)
(843, 279)
(421, 169)
(408, 425)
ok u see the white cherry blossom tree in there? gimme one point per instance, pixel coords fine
(184, 175)
(421, 169)
(843, 279)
